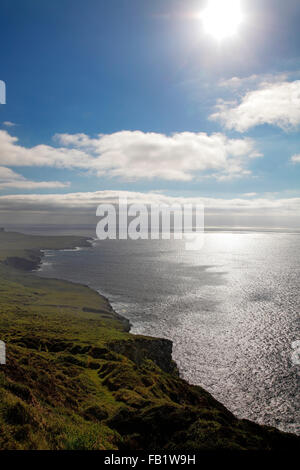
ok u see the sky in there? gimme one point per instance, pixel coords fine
(138, 97)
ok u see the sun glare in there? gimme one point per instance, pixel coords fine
(222, 18)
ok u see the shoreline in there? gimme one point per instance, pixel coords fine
(190, 382)
(135, 395)
(35, 271)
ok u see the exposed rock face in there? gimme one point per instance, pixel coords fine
(22, 264)
(2, 352)
(138, 349)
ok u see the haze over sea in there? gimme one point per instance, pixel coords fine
(231, 310)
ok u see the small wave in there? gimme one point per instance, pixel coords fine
(43, 265)
(77, 248)
(47, 253)
(93, 241)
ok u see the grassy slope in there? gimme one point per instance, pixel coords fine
(76, 379)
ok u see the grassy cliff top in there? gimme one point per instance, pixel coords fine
(14, 244)
(76, 379)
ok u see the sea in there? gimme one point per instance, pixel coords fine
(231, 309)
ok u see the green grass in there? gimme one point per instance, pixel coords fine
(76, 379)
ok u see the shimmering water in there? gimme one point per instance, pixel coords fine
(231, 309)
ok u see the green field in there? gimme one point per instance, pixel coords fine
(76, 379)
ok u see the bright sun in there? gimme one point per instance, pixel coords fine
(222, 18)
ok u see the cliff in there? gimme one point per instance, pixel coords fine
(75, 377)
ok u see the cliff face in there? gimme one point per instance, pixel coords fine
(76, 379)
(23, 264)
(140, 349)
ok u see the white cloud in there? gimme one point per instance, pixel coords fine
(295, 158)
(77, 203)
(253, 81)
(8, 124)
(11, 179)
(273, 103)
(133, 155)
(6, 174)
(27, 184)
(13, 154)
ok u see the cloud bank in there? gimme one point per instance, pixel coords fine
(88, 201)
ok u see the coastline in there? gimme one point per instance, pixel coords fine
(86, 243)
(144, 403)
(167, 364)
(36, 256)
(125, 320)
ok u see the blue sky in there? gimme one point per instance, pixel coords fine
(99, 67)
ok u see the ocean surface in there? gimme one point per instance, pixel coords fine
(231, 310)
